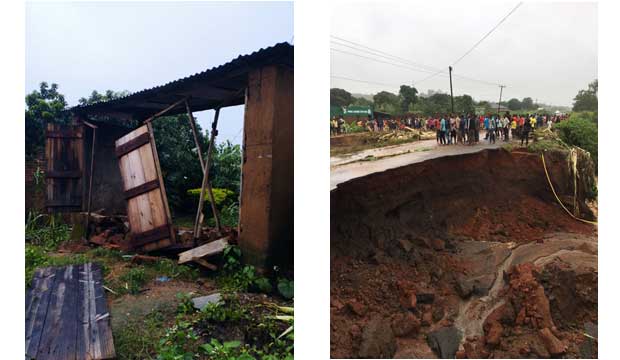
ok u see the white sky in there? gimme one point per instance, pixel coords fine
(137, 45)
(547, 51)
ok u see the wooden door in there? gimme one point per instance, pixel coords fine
(64, 151)
(147, 206)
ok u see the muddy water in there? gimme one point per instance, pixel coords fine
(473, 311)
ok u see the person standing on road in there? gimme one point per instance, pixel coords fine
(471, 136)
(491, 131)
(442, 130)
(513, 127)
(525, 133)
(462, 122)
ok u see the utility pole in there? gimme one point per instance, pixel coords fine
(451, 94)
(501, 89)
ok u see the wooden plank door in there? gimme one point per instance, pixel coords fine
(64, 151)
(147, 206)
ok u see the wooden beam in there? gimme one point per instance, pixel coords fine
(160, 113)
(141, 189)
(205, 177)
(205, 263)
(212, 248)
(132, 144)
(192, 124)
(149, 236)
(68, 174)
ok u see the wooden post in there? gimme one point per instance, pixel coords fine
(205, 177)
(90, 178)
(192, 123)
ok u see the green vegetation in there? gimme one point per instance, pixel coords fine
(587, 100)
(46, 230)
(210, 333)
(580, 131)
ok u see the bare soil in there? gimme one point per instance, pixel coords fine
(463, 256)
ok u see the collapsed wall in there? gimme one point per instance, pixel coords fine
(490, 195)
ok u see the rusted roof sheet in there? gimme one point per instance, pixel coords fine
(206, 90)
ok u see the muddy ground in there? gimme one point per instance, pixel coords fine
(467, 256)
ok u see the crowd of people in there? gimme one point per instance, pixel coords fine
(452, 129)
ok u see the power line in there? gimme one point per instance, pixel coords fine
(476, 44)
(384, 53)
(381, 61)
(364, 81)
(410, 68)
(489, 33)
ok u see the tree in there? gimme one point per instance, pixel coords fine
(587, 100)
(464, 104)
(42, 106)
(361, 101)
(386, 101)
(339, 97)
(96, 97)
(527, 103)
(514, 104)
(408, 97)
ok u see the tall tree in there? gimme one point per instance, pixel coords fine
(464, 104)
(587, 100)
(387, 102)
(339, 97)
(514, 104)
(527, 103)
(408, 97)
(42, 106)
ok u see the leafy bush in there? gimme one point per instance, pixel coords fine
(219, 195)
(239, 277)
(353, 128)
(581, 132)
(46, 230)
(286, 289)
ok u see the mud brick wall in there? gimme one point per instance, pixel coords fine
(107, 191)
(266, 210)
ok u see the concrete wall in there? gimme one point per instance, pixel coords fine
(266, 209)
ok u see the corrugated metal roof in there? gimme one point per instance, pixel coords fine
(207, 89)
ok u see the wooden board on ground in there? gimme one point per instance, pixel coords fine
(212, 248)
(67, 316)
(147, 207)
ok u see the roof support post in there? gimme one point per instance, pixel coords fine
(192, 123)
(205, 178)
(90, 177)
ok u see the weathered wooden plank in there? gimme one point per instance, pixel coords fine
(149, 236)
(59, 332)
(65, 162)
(94, 346)
(82, 331)
(141, 189)
(102, 318)
(214, 247)
(35, 320)
(132, 144)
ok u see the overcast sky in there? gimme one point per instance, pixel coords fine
(133, 46)
(543, 50)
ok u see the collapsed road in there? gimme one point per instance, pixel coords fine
(466, 256)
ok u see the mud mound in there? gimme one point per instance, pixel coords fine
(492, 195)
